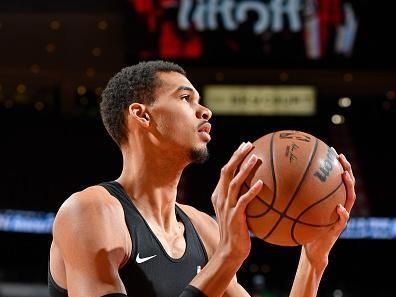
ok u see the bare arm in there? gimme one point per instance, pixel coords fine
(227, 240)
(208, 231)
(92, 253)
(314, 255)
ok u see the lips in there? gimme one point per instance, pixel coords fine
(205, 128)
(204, 131)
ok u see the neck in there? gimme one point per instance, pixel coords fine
(151, 179)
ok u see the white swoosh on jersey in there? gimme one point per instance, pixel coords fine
(141, 260)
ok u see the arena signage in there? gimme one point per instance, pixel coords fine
(209, 14)
(181, 26)
(276, 16)
(260, 100)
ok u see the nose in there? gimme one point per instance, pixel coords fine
(203, 113)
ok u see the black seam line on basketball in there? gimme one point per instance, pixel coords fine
(270, 206)
(295, 192)
(273, 170)
(284, 216)
(312, 205)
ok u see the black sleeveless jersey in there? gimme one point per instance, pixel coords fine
(150, 271)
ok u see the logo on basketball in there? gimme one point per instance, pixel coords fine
(326, 167)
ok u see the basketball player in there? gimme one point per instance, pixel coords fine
(129, 237)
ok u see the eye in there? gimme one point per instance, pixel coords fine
(185, 98)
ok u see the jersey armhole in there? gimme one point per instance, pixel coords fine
(129, 255)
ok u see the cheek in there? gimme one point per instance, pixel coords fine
(175, 126)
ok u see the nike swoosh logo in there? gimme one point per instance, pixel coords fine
(141, 260)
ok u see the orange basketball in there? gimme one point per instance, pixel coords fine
(302, 187)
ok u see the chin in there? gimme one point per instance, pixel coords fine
(199, 155)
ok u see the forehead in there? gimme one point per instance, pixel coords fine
(172, 81)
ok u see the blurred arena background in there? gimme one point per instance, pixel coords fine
(327, 67)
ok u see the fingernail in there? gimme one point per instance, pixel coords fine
(247, 146)
(241, 146)
(252, 159)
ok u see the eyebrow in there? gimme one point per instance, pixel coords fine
(185, 88)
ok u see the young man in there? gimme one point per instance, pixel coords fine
(129, 236)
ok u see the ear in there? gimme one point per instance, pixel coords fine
(138, 112)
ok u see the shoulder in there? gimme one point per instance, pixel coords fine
(205, 225)
(89, 237)
(91, 203)
(92, 216)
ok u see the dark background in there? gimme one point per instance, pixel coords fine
(52, 141)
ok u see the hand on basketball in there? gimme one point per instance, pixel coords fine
(318, 250)
(230, 208)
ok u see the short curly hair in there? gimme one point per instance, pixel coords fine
(136, 83)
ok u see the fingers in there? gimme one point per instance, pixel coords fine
(350, 191)
(346, 165)
(237, 181)
(228, 171)
(249, 196)
(349, 181)
(343, 218)
(335, 152)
